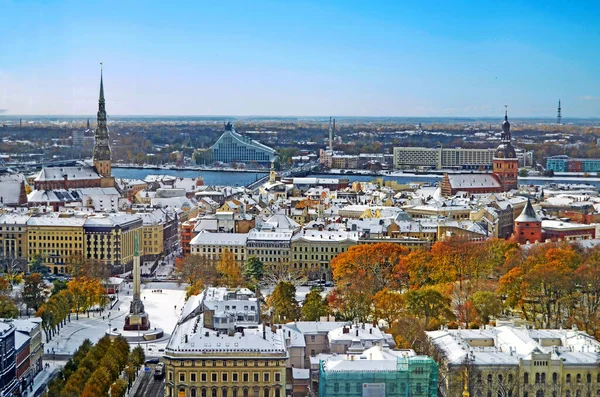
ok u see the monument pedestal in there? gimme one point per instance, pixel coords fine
(135, 322)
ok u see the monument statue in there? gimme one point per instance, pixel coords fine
(137, 319)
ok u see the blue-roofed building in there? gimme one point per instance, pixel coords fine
(233, 147)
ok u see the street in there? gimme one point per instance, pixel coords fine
(149, 386)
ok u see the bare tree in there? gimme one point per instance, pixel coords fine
(283, 273)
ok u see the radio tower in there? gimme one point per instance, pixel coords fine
(330, 137)
(559, 117)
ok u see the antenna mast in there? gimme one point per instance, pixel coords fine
(559, 117)
(330, 136)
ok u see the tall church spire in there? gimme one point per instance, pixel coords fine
(101, 155)
(101, 85)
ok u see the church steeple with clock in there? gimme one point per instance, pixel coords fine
(505, 163)
(101, 156)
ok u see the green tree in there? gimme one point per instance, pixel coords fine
(137, 356)
(36, 266)
(428, 304)
(8, 309)
(314, 306)
(283, 303)
(487, 304)
(34, 291)
(254, 269)
(58, 286)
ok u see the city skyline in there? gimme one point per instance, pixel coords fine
(302, 59)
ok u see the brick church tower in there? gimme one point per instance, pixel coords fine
(506, 164)
(528, 226)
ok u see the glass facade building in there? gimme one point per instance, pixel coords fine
(564, 163)
(232, 147)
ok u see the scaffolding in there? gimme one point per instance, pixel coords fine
(415, 376)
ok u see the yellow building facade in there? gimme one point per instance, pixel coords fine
(226, 375)
(55, 240)
(517, 361)
(13, 237)
(313, 250)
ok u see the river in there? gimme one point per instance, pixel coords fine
(231, 178)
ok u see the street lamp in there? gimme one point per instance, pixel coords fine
(53, 355)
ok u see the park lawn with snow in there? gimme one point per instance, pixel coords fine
(162, 307)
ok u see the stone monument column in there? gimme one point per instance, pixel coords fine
(136, 269)
(137, 319)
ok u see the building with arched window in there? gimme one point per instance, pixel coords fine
(516, 361)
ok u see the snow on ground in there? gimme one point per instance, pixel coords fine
(163, 309)
(43, 377)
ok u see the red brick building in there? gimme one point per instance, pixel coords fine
(187, 234)
(22, 347)
(528, 226)
(502, 179)
(559, 230)
(51, 178)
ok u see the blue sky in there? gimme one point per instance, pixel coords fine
(344, 58)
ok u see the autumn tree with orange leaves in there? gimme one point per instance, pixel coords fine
(361, 272)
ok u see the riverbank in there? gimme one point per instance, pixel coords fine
(183, 168)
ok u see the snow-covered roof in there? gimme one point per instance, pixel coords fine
(300, 373)
(316, 327)
(507, 344)
(373, 359)
(560, 225)
(207, 238)
(21, 340)
(55, 221)
(27, 324)
(326, 235)
(68, 173)
(14, 219)
(111, 220)
(281, 235)
(458, 181)
(364, 332)
(10, 192)
(191, 338)
(281, 221)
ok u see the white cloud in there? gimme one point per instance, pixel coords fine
(590, 98)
